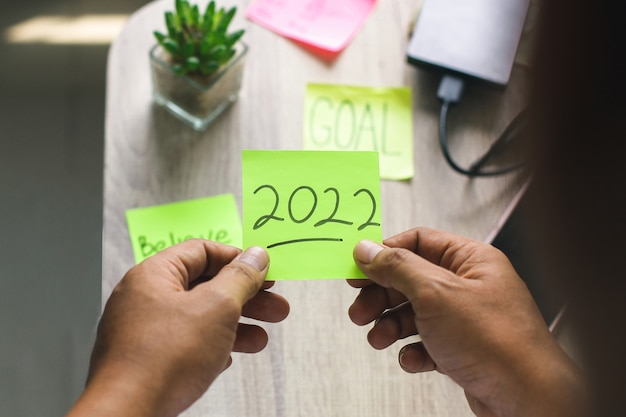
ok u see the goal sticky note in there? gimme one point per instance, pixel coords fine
(309, 209)
(359, 118)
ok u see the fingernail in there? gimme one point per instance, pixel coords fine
(366, 251)
(401, 357)
(255, 256)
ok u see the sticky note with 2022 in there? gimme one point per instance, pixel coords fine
(309, 209)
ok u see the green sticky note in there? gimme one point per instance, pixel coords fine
(309, 209)
(155, 228)
(353, 118)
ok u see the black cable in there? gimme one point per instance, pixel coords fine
(500, 145)
(450, 91)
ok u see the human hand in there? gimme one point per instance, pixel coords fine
(169, 327)
(476, 319)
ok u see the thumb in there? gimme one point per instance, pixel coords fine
(397, 268)
(243, 277)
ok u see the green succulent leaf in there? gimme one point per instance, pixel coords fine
(192, 63)
(228, 55)
(187, 13)
(180, 9)
(232, 39)
(205, 47)
(172, 24)
(188, 49)
(172, 47)
(224, 56)
(179, 69)
(207, 22)
(217, 18)
(209, 67)
(225, 20)
(159, 37)
(195, 15)
(217, 51)
(183, 10)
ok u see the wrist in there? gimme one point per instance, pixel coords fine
(553, 386)
(118, 391)
(540, 380)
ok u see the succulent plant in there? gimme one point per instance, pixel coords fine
(199, 43)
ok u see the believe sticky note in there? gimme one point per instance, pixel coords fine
(328, 25)
(309, 209)
(155, 228)
(356, 118)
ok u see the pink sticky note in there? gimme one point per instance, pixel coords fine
(324, 24)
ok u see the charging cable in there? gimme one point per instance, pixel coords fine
(449, 92)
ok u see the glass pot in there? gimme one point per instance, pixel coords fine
(196, 99)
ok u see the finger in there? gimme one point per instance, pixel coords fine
(415, 358)
(242, 278)
(189, 260)
(478, 407)
(266, 306)
(371, 302)
(437, 246)
(392, 326)
(228, 363)
(250, 339)
(400, 269)
(359, 283)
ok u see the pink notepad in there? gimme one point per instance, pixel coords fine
(328, 25)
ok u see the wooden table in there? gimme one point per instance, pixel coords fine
(317, 363)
